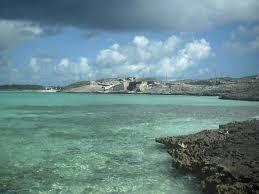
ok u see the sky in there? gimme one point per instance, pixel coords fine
(57, 42)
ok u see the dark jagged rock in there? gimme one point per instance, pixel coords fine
(248, 97)
(226, 159)
(133, 85)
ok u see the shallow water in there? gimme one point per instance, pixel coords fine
(89, 143)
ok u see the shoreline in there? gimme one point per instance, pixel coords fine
(221, 97)
(227, 88)
(226, 159)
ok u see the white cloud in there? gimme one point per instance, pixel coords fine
(196, 50)
(242, 48)
(141, 49)
(62, 65)
(82, 67)
(155, 49)
(150, 57)
(170, 57)
(192, 54)
(115, 46)
(34, 65)
(47, 60)
(42, 71)
(140, 41)
(13, 33)
(79, 68)
(110, 57)
(204, 72)
(244, 39)
(171, 43)
(133, 69)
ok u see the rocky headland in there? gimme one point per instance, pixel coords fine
(245, 88)
(226, 159)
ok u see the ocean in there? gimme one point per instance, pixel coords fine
(102, 143)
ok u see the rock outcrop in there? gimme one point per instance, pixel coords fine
(226, 159)
(246, 88)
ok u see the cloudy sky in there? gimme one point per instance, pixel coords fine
(56, 42)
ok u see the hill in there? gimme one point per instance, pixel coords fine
(21, 87)
(244, 88)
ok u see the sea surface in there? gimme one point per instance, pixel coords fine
(90, 143)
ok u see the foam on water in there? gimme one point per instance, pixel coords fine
(87, 143)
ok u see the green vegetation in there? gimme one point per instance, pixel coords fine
(21, 87)
(76, 84)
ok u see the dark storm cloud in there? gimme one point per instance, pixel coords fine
(131, 15)
(83, 13)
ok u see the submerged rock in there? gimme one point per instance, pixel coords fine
(226, 159)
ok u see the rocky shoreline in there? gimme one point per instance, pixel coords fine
(245, 88)
(226, 159)
(239, 97)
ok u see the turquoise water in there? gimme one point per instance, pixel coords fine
(89, 143)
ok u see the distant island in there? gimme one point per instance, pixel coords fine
(244, 88)
(29, 87)
(21, 87)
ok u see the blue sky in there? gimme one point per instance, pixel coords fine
(221, 41)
